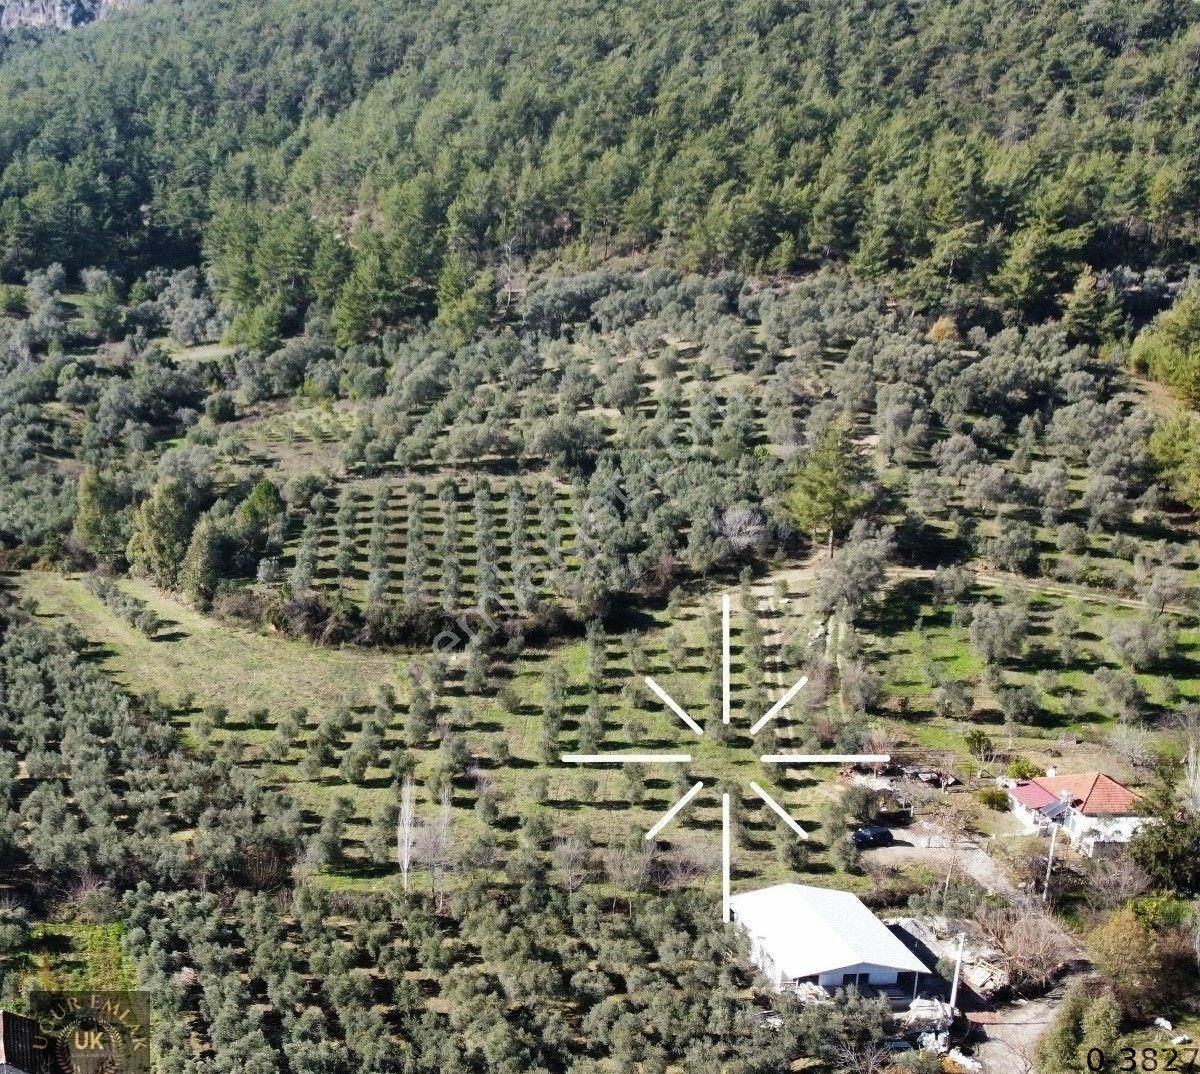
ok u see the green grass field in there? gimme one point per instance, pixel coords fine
(222, 665)
(214, 662)
(76, 958)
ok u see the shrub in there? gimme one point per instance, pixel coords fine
(1015, 549)
(137, 613)
(1141, 643)
(944, 330)
(994, 798)
(219, 407)
(1023, 768)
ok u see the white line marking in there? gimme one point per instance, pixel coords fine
(671, 703)
(825, 758)
(779, 810)
(775, 709)
(669, 815)
(626, 758)
(725, 885)
(726, 662)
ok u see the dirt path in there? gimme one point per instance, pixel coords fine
(921, 842)
(989, 576)
(1013, 1032)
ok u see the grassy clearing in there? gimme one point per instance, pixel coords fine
(213, 662)
(78, 958)
(204, 352)
(911, 641)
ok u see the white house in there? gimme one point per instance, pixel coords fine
(1095, 811)
(808, 935)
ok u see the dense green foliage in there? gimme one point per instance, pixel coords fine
(372, 157)
(1169, 349)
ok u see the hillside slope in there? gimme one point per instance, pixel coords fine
(350, 154)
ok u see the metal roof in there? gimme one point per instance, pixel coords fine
(809, 930)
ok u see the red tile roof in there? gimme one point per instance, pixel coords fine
(1092, 793)
(1032, 796)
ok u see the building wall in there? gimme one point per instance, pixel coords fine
(1081, 829)
(1114, 829)
(880, 976)
(1031, 820)
(1086, 832)
(761, 957)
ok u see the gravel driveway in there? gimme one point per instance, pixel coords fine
(1014, 1028)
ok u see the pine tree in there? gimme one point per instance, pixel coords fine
(358, 301)
(831, 486)
(161, 530)
(97, 518)
(200, 571)
(464, 299)
(1169, 349)
(1090, 314)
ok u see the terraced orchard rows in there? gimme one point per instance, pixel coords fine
(453, 543)
(489, 737)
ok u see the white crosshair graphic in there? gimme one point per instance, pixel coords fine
(791, 759)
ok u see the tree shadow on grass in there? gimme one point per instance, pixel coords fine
(170, 635)
(96, 652)
(936, 548)
(1178, 666)
(1040, 658)
(901, 607)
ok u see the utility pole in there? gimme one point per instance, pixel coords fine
(1049, 863)
(962, 943)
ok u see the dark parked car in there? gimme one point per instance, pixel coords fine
(873, 835)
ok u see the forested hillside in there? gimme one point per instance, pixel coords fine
(372, 157)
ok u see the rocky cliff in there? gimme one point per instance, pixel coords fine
(62, 14)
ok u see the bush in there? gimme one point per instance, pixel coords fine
(1023, 768)
(994, 798)
(861, 803)
(1141, 643)
(1131, 955)
(1019, 704)
(14, 929)
(137, 613)
(1015, 549)
(847, 856)
(219, 407)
